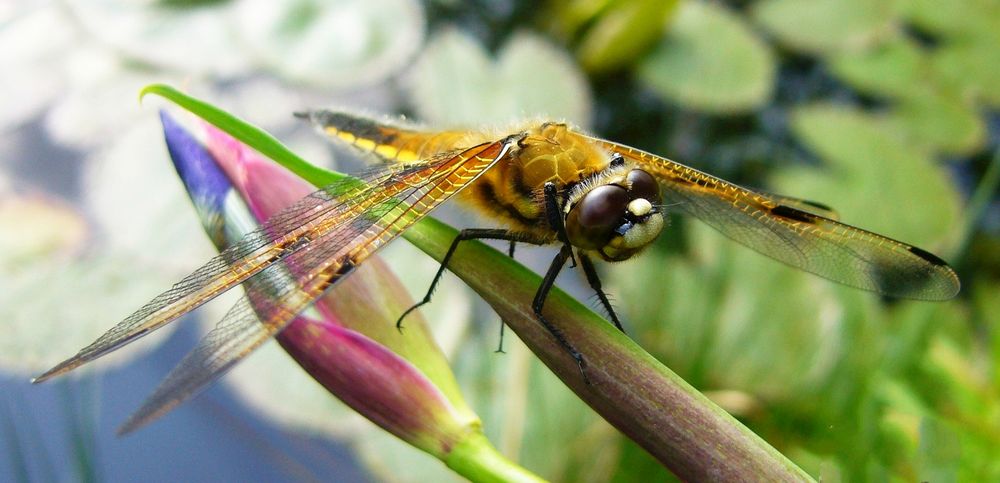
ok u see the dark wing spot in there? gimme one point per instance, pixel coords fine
(793, 214)
(817, 205)
(928, 256)
(347, 267)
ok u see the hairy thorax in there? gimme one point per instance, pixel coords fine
(512, 190)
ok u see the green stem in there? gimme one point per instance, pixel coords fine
(476, 459)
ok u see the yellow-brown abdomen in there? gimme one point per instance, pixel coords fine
(389, 142)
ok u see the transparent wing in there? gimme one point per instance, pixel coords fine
(795, 232)
(280, 236)
(278, 293)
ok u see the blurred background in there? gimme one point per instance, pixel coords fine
(885, 110)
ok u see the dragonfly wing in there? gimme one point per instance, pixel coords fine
(275, 239)
(247, 325)
(799, 237)
(278, 293)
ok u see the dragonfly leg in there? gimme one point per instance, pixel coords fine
(543, 292)
(469, 234)
(595, 283)
(500, 347)
(553, 215)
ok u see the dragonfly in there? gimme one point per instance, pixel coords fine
(540, 183)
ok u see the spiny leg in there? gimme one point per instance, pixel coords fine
(595, 283)
(500, 347)
(554, 216)
(543, 292)
(469, 234)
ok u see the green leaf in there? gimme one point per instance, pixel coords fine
(341, 44)
(456, 83)
(873, 177)
(623, 32)
(710, 61)
(894, 68)
(819, 26)
(929, 114)
(970, 68)
(940, 123)
(958, 19)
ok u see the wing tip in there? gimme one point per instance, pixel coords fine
(131, 424)
(59, 369)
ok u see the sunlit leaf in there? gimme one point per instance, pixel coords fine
(332, 44)
(962, 19)
(892, 68)
(162, 36)
(825, 25)
(971, 68)
(711, 61)
(623, 32)
(456, 83)
(940, 123)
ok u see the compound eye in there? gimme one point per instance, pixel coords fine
(592, 221)
(644, 186)
(603, 208)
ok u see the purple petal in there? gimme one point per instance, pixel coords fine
(206, 183)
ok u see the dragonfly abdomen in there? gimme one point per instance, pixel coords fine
(390, 142)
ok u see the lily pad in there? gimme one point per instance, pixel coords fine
(970, 68)
(894, 68)
(957, 18)
(711, 61)
(456, 83)
(940, 123)
(819, 26)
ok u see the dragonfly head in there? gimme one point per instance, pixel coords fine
(615, 215)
